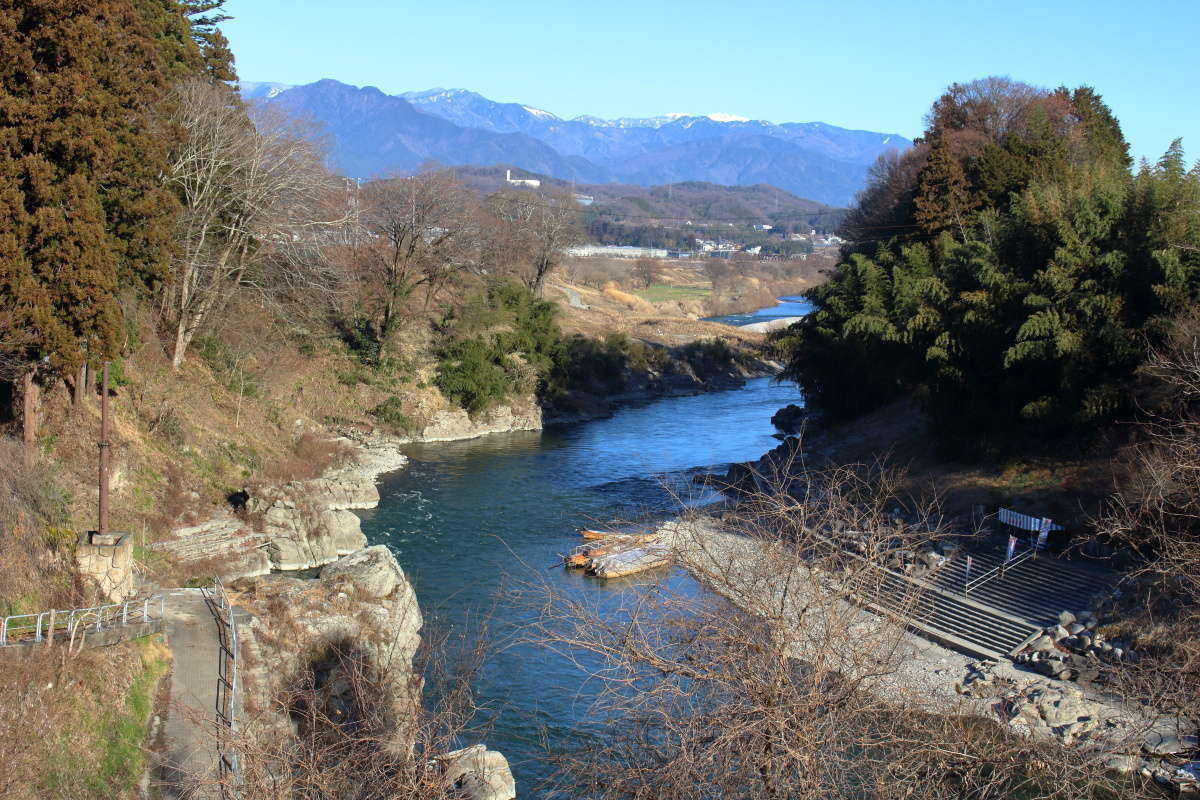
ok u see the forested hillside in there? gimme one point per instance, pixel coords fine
(1011, 269)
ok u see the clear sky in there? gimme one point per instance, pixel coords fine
(854, 63)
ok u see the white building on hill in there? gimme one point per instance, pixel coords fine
(527, 182)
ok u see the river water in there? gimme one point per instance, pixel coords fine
(467, 519)
(792, 306)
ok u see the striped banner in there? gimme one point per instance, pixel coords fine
(1024, 521)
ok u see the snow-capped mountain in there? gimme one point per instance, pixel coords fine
(811, 159)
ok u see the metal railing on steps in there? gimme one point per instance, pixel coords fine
(24, 629)
(228, 761)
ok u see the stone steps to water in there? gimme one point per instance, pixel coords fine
(997, 617)
(1035, 590)
(957, 621)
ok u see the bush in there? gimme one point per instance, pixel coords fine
(391, 413)
(490, 339)
(472, 374)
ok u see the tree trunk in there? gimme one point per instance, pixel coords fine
(80, 383)
(29, 420)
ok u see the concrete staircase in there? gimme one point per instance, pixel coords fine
(997, 618)
(1035, 590)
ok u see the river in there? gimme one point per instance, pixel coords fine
(791, 306)
(465, 519)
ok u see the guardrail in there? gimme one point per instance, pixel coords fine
(999, 571)
(22, 629)
(228, 764)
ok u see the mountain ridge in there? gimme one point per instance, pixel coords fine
(376, 133)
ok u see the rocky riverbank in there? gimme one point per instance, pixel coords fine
(346, 641)
(646, 386)
(756, 574)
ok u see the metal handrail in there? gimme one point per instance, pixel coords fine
(999, 570)
(228, 763)
(20, 629)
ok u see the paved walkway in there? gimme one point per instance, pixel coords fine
(187, 769)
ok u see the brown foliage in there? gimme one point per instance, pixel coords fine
(36, 563)
(311, 456)
(1156, 513)
(774, 683)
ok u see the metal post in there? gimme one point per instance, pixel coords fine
(4, 633)
(102, 528)
(50, 634)
(37, 637)
(125, 614)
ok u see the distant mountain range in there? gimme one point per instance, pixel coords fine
(372, 133)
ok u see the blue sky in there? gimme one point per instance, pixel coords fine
(853, 63)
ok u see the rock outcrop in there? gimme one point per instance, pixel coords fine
(295, 525)
(361, 611)
(302, 531)
(456, 424)
(362, 604)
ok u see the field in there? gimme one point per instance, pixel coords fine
(663, 293)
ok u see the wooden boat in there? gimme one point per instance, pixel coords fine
(587, 534)
(580, 556)
(628, 561)
(632, 537)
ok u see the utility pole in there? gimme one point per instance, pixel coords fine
(105, 446)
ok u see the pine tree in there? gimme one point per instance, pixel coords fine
(83, 209)
(944, 196)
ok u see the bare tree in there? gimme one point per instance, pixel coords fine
(645, 270)
(1156, 514)
(421, 231)
(774, 683)
(253, 190)
(532, 234)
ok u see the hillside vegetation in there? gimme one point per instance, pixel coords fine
(1011, 270)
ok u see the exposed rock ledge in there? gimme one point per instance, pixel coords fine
(362, 606)
(446, 426)
(295, 525)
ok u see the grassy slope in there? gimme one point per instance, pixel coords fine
(74, 727)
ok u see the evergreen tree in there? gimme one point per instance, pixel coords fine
(83, 208)
(1032, 276)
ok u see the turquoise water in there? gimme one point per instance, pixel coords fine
(791, 306)
(468, 520)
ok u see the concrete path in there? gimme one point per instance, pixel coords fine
(187, 769)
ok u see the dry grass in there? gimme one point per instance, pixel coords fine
(631, 301)
(311, 456)
(36, 547)
(73, 727)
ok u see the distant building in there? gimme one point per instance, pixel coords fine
(616, 251)
(526, 182)
(763, 227)
(583, 199)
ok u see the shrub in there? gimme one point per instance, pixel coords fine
(391, 413)
(472, 374)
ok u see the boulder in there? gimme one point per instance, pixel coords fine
(1165, 744)
(1066, 618)
(1123, 764)
(479, 773)
(371, 572)
(1043, 644)
(790, 418)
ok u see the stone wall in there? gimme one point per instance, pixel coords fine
(107, 561)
